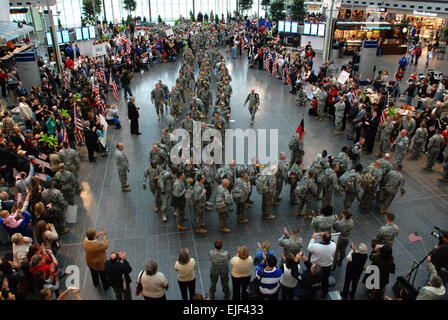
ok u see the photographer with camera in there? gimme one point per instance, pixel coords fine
(117, 272)
(439, 255)
(434, 289)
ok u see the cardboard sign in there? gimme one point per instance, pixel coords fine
(105, 126)
(99, 50)
(343, 77)
(169, 32)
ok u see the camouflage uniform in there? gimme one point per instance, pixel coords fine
(70, 159)
(294, 176)
(342, 160)
(66, 182)
(175, 101)
(166, 181)
(305, 191)
(254, 102)
(219, 260)
(179, 191)
(386, 235)
(392, 182)
(123, 167)
(58, 205)
(170, 123)
(322, 223)
(420, 136)
(153, 175)
(223, 203)
(240, 194)
(385, 136)
(401, 148)
(281, 176)
(436, 143)
(369, 190)
(296, 148)
(160, 157)
(329, 182)
(344, 227)
(290, 245)
(356, 150)
(158, 98)
(351, 183)
(199, 201)
(266, 185)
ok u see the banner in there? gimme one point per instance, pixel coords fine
(99, 50)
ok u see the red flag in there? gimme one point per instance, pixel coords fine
(301, 129)
(414, 236)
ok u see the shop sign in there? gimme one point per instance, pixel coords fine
(376, 28)
(425, 13)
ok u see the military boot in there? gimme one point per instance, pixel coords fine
(181, 228)
(224, 230)
(164, 216)
(270, 217)
(201, 231)
(125, 189)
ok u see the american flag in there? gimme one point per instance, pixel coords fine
(96, 89)
(64, 134)
(100, 103)
(415, 236)
(103, 76)
(128, 47)
(99, 74)
(274, 66)
(384, 115)
(287, 76)
(124, 39)
(79, 132)
(66, 80)
(114, 87)
(266, 63)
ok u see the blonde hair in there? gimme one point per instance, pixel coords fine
(243, 252)
(266, 245)
(4, 214)
(16, 238)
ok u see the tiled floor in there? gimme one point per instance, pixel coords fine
(133, 227)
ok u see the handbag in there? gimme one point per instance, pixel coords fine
(139, 288)
(253, 290)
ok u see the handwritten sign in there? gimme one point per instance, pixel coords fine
(99, 50)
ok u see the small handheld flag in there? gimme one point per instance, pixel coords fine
(300, 129)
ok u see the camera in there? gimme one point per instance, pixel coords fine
(438, 233)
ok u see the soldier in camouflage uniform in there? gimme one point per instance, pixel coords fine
(296, 147)
(419, 138)
(199, 201)
(266, 187)
(171, 121)
(55, 204)
(351, 183)
(436, 143)
(344, 227)
(319, 165)
(166, 181)
(386, 234)
(393, 182)
(281, 176)
(386, 133)
(401, 145)
(227, 172)
(291, 244)
(219, 268)
(153, 173)
(166, 92)
(356, 152)
(175, 101)
(158, 155)
(342, 160)
(444, 177)
(254, 102)
(66, 182)
(240, 194)
(165, 141)
(157, 99)
(329, 182)
(187, 124)
(122, 166)
(370, 183)
(323, 222)
(223, 202)
(295, 174)
(70, 158)
(322, 101)
(305, 191)
(206, 97)
(179, 192)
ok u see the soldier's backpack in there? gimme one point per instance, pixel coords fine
(352, 155)
(301, 189)
(367, 180)
(348, 182)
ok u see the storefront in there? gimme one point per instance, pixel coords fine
(392, 37)
(427, 25)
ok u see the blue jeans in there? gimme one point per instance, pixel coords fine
(22, 228)
(116, 122)
(127, 90)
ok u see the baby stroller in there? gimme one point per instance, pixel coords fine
(253, 61)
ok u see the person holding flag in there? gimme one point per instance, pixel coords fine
(296, 145)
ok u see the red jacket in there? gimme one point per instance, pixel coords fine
(69, 63)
